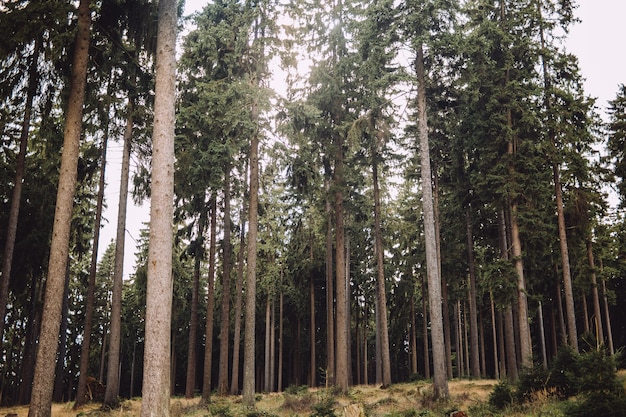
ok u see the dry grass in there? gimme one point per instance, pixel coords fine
(376, 401)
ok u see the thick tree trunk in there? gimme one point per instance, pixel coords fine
(413, 338)
(41, 398)
(607, 317)
(440, 383)
(341, 339)
(115, 341)
(210, 309)
(156, 372)
(268, 328)
(312, 336)
(222, 384)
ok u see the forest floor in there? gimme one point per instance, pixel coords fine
(414, 399)
(397, 400)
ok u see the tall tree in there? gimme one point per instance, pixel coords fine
(156, 379)
(440, 383)
(41, 399)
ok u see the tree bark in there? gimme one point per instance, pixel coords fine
(156, 372)
(594, 294)
(41, 398)
(81, 393)
(381, 293)
(440, 383)
(210, 309)
(473, 310)
(234, 387)
(222, 381)
(250, 325)
(115, 340)
(330, 290)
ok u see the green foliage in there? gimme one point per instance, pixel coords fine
(590, 377)
(501, 396)
(325, 407)
(220, 410)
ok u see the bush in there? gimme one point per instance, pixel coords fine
(531, 381)
(501, 396)
(324, 408)
(565, 373)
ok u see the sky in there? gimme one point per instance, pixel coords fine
(597, 41)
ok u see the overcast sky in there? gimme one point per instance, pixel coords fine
(597, 41)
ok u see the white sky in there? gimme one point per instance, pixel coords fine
(597, 41)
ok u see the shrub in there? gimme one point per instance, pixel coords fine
(501, 396)
(324, 408)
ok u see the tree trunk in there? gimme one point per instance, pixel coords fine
(16, 197)
(425, 337)
(268, 328)
(81, 394)
(494, 335)
(57, 394)
(440, 383)
(330, 306)
(190, 382)
(381, 293)
(473, 310)
(413, 338)
(210, 309)
(234, 387)
(222, 382)
(341, 353)
(607, 317)
(41, 398)
(115, 341)
(559, 304)
(542, 336)
(156, 372)
(312, 358)
(249, 336)
(280, 341)
(594, 294)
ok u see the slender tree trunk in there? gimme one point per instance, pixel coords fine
(594, 293)
(115, 341)
(89, 303)
(425, 331)
(440, 383)
(222, 384)
(381, 293)
(234, 387)
(250, 325)
(473, 313)
(330, 306)
(190, 382)
(156, 375)
(268, 329)
(542, 336)
(16, 197)
(312, 367)
(41, 398)
(511, 357)
(413, 339)
(585, 314)
(30, 345)
(494, 335)
(280, 341)
(444, 283)
(562, 329)
(607, 317)
(210, 309)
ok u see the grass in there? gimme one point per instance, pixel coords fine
(398, 400)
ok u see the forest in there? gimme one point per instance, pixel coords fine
(342, 192)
